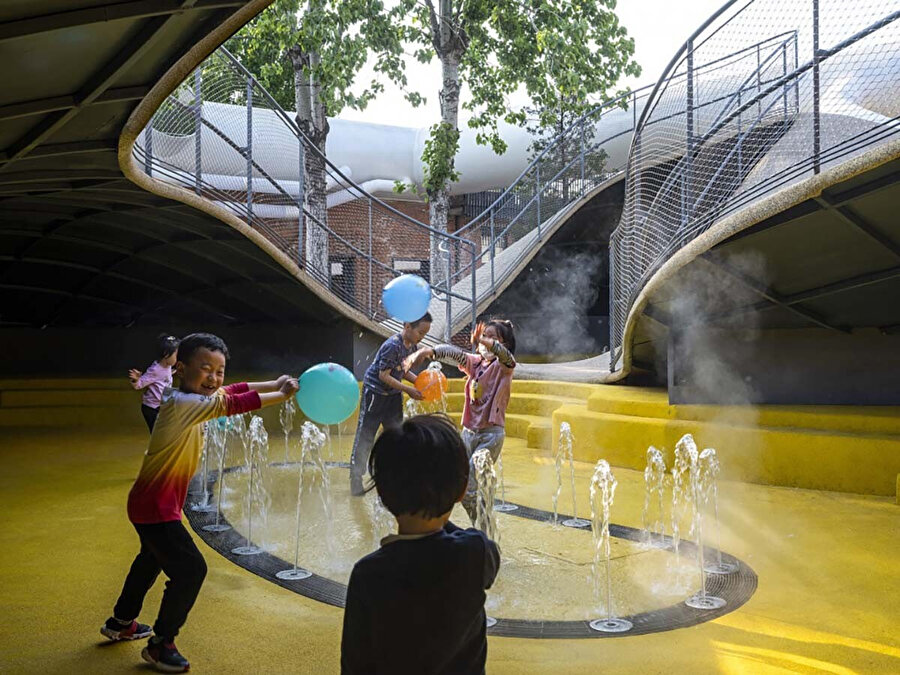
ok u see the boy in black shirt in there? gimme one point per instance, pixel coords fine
(416, 605)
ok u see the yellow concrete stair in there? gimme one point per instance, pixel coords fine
(842, 448)
(65, 402)
(530, 408)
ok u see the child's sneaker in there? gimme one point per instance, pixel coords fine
(165, 657)
(116, 630)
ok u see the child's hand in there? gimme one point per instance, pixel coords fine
(415, 394)
(280, 381)
(476, 334)
(134, 375)
(289, 386)
(411, 360)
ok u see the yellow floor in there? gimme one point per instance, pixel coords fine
(828, 598)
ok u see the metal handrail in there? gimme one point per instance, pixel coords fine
(635, 236)
(236, 79)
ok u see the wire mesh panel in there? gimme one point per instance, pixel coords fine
(566, 169)
(221, 135)
(765, 94)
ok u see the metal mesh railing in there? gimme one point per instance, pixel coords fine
(812, 83)
(221, 135)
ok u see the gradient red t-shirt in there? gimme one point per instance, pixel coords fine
(175, 447)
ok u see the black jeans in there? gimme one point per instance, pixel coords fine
(374, 410)
(165, 547)
(150, 415)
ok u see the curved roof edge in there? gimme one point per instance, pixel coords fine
(139, 119)
(767, 207)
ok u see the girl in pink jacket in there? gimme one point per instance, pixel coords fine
(489, 373)
(156, 378)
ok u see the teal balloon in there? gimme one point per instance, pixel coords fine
(328, 393)
(407, 297)
(225, 423)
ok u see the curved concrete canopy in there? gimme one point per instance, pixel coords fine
(79, 243)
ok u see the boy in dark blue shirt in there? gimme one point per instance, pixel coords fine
(416, 605)
(381, 403)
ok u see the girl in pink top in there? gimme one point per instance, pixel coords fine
(489, 374)
(156, 378)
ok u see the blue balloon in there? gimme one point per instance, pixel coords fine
(407, 297)
(328, 393)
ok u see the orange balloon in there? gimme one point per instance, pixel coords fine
(432, 384)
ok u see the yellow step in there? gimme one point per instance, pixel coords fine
(786, 456)
(526, 404)
(569, 390)
(644, 402)
(534, 429)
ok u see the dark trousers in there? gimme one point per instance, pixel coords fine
(165, 547)
(150, 415)
(374, 410)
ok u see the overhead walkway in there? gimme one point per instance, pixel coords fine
(771, 243)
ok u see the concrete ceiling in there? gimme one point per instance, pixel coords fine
(79, 243)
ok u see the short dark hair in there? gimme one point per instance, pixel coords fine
(420, 467)
(195, 341)
(166, 345)
(425, 317)
(504, 328)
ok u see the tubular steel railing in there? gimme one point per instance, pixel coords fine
(783, 98)
(222, 135)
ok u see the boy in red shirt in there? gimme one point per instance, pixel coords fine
(158, 493)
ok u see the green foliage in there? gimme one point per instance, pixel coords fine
(335, 38)
(562, 54)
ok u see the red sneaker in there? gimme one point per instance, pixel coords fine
(115, 630)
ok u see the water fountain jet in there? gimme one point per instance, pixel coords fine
(654, 478)
(603, 490)
(255, 459)
(226, 424)
(564, 450)
(311, 440)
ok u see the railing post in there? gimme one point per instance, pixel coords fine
(301, 187)
(583, 120)
(784, 74)
(249, 150)
(198, 125)
(740, 140)
(474, 299)
(449, 315)
(371, 313)
(538, 187)
(816, 118)
(689, 150)
(612, 304)
(148, 148)
(492, 251)
(758, 81)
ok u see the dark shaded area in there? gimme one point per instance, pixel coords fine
(264, 348)
(80, 245)
(560, 302)
(801, 308)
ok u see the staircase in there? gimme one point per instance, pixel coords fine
(531, 409)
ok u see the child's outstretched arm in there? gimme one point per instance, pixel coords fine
(449, 354)
(268, 386)
(392, 382)
(503, 355)
(277, 391)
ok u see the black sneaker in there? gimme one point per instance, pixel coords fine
(165, 657)
(115, 630)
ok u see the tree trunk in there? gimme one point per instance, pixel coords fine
(313, 122)
(439, 199)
